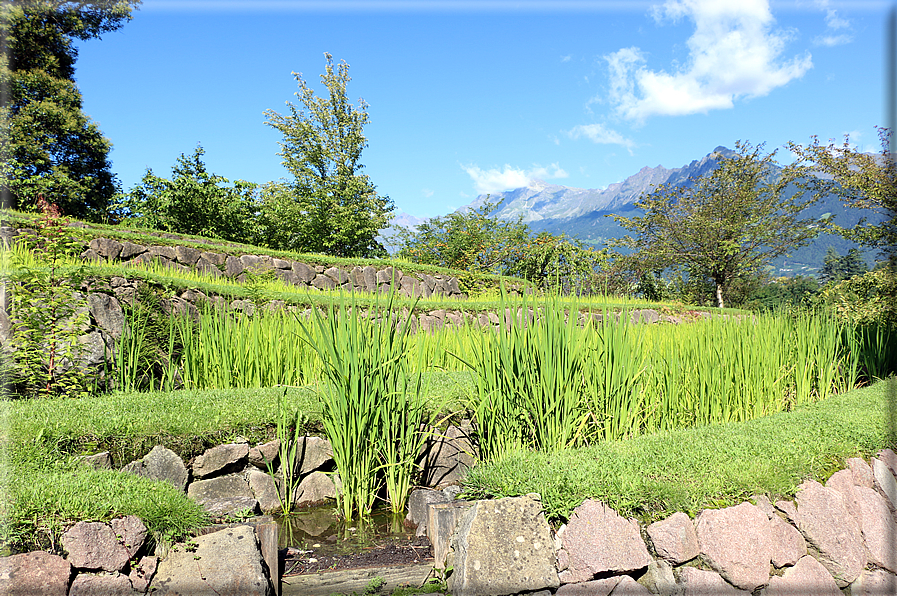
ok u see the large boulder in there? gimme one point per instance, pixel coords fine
(419, 507)
(108, 314)
(34, 573)
(313, 489)
(101, 585)
(264, 489)
(597, 540)
(131, 532)
(674, 538)
(221, 460)
(225, 562)
(806, 577)
(94, 545)
(160, 464)
(445, 457)
(223, 495)
(503, 547)
(264, 454)
(737, 543)
(879, 528)
(822, 516)
(874, 582)
(698, 582)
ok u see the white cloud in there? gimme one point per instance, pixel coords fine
(566, 58)
(508, 178)
(833, 22)
(733, 53)
(426, 192)
(597, 133)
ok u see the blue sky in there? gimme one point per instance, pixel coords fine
(469, 97)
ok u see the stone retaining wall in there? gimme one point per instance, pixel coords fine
(307, 276)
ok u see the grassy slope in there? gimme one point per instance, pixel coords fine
(649, 476)
(711, 466)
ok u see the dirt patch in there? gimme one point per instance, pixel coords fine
(388, 553)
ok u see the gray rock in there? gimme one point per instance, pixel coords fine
(130, 250)
(598, 540)
(503, 547)
(659, 579)
(106, 247)
(99, 461)
(862, 472)
(265, 491)
(130, 532)
(629, 587)
(166, 252)
(806, 577)
(445, 457)
(645, 315)
(34, 573)
(101, 585)
(674, 538)
(598, 587)
(221, 460)
(337, 275)
(315, 488)
(93, 545)
(303, 272)
(233, 506)
(788, 508)
(788, 544)
(370, 278)
(313, 453)
(142, 573)
(281, 263)
(216, 258)
(207, 266)
(878, 527)
(220, 487)
(419, 507)
(442, 519)
(91, 255)
(697, 582)
(107, 312)
(160, 464)
(186, 255)
(323, 282)
(256, 263)
(884, 481)
(737, 543)
(223, 562)
(828, 526)
(264, 454)
(874, 582)
(233, 266)
(889, 458)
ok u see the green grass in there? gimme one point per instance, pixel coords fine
(708, 466)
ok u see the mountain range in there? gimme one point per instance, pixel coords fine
(583, 213)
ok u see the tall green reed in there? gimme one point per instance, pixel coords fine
(371, 409)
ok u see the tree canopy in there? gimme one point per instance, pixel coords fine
(336, 206)
(193, 201)
(861, 181)
(49, 146)
(726, 224)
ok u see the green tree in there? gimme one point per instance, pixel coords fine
(193, 201)
(861, 181)
(472, 240)
(559, 262)
(726, 224)
(836, 268)
(49, 146)
(339, 211)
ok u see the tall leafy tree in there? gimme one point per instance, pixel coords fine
(861, 181)
(726, 224)
(49, 146)
(339, 211)
(193, 201)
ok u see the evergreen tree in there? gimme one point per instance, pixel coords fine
(49, 146)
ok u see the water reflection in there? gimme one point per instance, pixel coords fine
(320, 530)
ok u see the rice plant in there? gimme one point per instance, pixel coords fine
(372, 408)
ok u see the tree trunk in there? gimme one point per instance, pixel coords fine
(719, 295)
